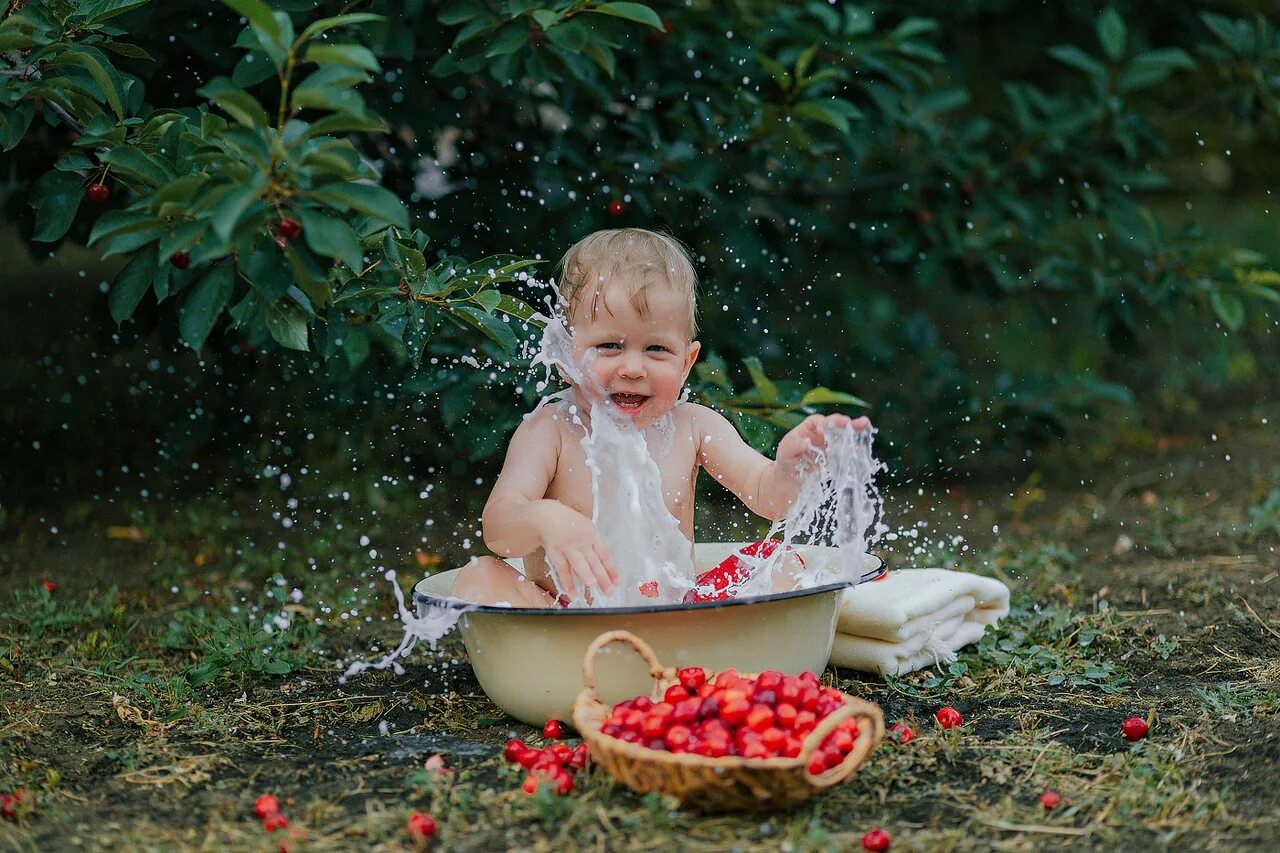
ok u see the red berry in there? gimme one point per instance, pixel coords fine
(901, 732)
(649, 589)
(579, 758)
(562, 751)
(678, 737)
(692, 677)
(948, 717)
(842, 740)
(755, 749)
(180, 260)
(617, 207)
(514, 749)
(1049, 800)
(50, 587)
(675, 694)
(266, 805)
(552, 730)
(759, 718)
(785, 714)
(421, 826)
(735, 709)
(275, 821)
(98, 193)
(1135, 728)
(530, 785)
(876, 841)
(290, 228)
(817, 766)
(805, 721)
(8, 807)
(774, 739)
(564, 784)
(686, 710)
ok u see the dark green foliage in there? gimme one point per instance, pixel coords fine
(962, 234)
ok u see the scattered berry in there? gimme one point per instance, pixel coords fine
(901, 732)
(530, 785)
(948, 717)
(98, 193)
(435, 766)
(617, 207)
(50, 587)
(1135, 728)
(421, 826)
(649, 589)
(180, 260)
(1050, 800)
(876, 841)
(553, 730)
(514, 749)
(290, 228)
(275, 821)
(266, 805)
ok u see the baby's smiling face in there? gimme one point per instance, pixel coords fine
(640, 362)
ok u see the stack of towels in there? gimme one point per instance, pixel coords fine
(914, 618)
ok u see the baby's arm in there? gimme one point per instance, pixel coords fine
(519, 520)
(767, 487)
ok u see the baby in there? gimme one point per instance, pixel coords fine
(631, 304)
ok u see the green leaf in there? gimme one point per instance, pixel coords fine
(97, 11)
(236, 102)
(259, 16)
(821, 396)
(637, 12)
(320, 26)
(768, 391)
(603, 57)
(331, 237)
(199, 311)
(460, 12)
(912, 27)
(1229, 308)
(131, 284)
(230, 208)
(1077, 58)
(107, 78)
(515, 307)
(822, 112)
(1153, 67)
(131, 51)
(493, 328)
(133, 162)
(350, 55)
(287, 323)
(378, 202)
(488, 299)
(1111, 34)
(56, 198)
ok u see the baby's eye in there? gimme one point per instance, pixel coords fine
(611, 345)
(656, 348)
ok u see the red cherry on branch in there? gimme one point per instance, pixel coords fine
(290, 228)
(98, 193)
(617, 207)
(180, 260)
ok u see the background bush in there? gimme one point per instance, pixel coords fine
(990, 222)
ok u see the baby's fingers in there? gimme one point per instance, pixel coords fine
(580, 562)
(562, 571)
(611, 571)
(863, 422)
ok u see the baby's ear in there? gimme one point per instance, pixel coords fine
(695, 347)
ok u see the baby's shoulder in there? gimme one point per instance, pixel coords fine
(697, 416)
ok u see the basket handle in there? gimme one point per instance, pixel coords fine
(870, 730)
(656, 669)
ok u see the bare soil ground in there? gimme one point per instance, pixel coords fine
(143, 710)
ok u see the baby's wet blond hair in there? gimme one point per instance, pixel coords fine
(636, 259)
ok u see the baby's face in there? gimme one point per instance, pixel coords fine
(641, 363)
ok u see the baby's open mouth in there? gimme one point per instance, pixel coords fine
(628, 403)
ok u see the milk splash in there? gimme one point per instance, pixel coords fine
(431, 627)
(627, 505)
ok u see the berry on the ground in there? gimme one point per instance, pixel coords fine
(553, 730)
(265, 805)
(50, 587)
(876, 841)
(1135, 728)
(1050, 800)
(948, 717)
(901, 732)
(422, 826)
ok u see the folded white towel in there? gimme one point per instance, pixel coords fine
(915, 618)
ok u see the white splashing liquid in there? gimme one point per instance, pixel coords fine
(837, 505)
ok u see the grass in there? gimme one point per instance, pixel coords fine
(175, 674)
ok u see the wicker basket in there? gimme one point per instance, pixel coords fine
(715, 784)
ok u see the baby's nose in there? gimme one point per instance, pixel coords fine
(632, 366)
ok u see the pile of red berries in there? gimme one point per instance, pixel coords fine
(554, 764)
(729, 715)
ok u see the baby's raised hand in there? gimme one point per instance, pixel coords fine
(573, 549)
(811, 432)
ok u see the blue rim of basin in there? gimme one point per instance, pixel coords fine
(451, 603)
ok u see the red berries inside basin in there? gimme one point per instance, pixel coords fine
(763, 717)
